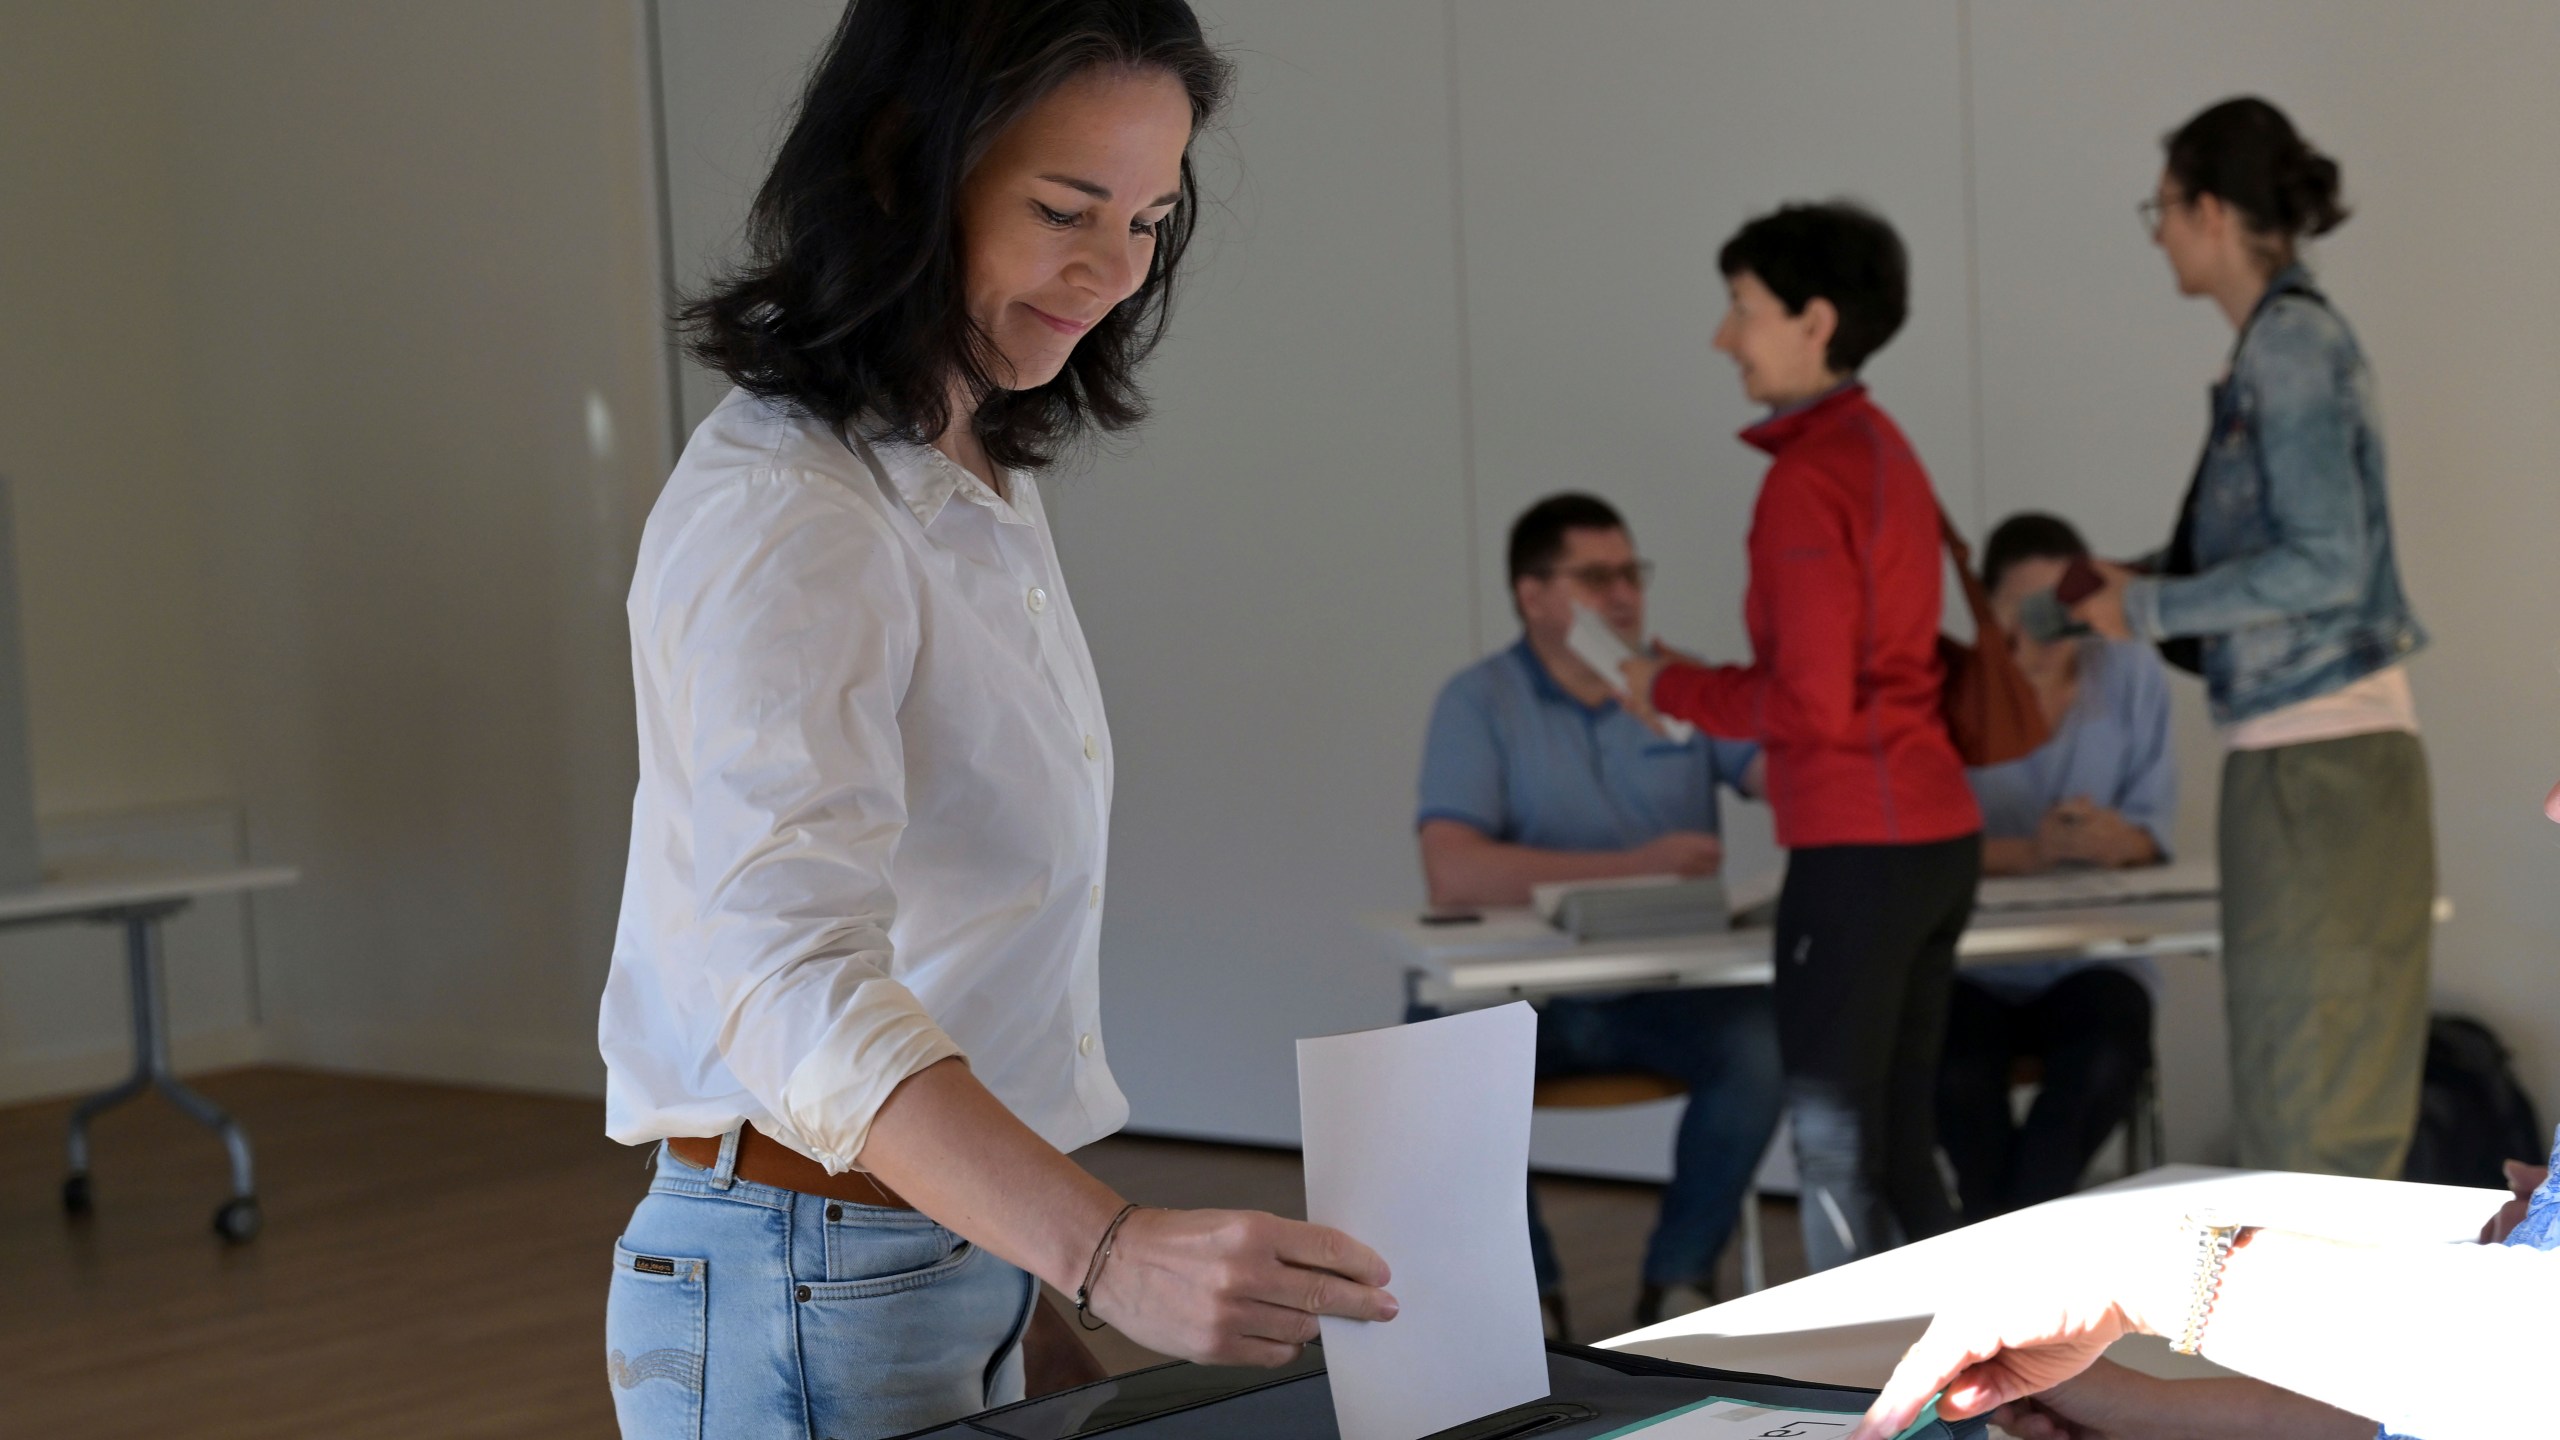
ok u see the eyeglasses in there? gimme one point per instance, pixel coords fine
(1635, 573)
(2149, 209)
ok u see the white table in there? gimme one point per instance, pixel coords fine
(139, 898)
(1510, 955)
(1850, 1325)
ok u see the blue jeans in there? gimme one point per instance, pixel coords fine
(1723, 1044)
(742, 1312)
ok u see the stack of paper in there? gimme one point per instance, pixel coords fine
(1636, 907)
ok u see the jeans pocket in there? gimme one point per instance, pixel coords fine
(903, 1351)
(655, 1319)
(869, 1245)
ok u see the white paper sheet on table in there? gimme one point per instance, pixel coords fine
(1417, 1145)
(1735, 1420)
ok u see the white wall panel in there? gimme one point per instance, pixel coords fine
(1273, 577)
(417, 317)
(728, 75)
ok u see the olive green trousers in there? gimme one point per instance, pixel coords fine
(2328, 902)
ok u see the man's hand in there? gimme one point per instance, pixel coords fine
(2103, 609)
(2083, 832)
(2522, 1180)
(1235, 1287)
(1680, 852)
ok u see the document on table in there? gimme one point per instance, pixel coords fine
(2076, 889)
(1417, 1145)
(1736, 1420)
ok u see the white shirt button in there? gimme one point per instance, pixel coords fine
(1038, 599)
(1092, 748)
(1084, 1043)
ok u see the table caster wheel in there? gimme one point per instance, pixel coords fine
(238, 1220)
(75, 1194)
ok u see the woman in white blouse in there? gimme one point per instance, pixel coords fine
(854, 988)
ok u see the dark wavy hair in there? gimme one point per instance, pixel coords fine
(850, 305)
(1837, 251)
(2247, 153)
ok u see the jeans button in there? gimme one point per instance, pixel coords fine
(835, 1212)
(801, 1294)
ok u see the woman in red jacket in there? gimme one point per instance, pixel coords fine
(1842, 692)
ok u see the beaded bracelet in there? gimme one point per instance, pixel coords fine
(1093, 1270)
(2215, 1239)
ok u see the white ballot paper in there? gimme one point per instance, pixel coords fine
(1602, 650)
(1734, 1420)
(1417, 1145)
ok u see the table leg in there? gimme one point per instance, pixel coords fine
(1755, 1259)
(238, 1219)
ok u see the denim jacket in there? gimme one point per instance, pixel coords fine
(2293, 591)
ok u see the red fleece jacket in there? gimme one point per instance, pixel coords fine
(1842, 690)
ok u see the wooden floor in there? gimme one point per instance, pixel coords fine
(434, 1262)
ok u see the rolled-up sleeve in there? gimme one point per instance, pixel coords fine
(789, 642)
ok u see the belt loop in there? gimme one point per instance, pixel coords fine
(724, 1170)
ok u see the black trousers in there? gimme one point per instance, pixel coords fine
(2091, 1030)
(1866, 951)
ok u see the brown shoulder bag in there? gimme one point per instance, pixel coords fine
(1991, 710)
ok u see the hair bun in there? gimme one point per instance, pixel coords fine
(2308, 183)
(2246, 152)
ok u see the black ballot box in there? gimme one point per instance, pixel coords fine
(1591, 1393)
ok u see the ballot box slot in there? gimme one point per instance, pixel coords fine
(1520, 1421)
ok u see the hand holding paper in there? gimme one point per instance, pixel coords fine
(1596, 645)
(1417, 1143)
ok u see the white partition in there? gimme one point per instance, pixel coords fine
(728, 75)
(1274, 575)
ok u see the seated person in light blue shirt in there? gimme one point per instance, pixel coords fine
(2101, 792)
(1532, 774)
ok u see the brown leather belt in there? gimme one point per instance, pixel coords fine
(762, 1161)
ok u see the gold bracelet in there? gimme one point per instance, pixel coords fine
(2215, 1237)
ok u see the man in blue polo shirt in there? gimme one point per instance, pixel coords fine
(1532, 774)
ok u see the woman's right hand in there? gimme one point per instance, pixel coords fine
(2049, 1317)
(1234, 1287)
(2104, 1402)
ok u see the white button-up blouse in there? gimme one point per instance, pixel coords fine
(875, 785)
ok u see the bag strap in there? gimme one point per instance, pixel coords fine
(1976, 599)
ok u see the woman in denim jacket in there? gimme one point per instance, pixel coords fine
(2281, 589)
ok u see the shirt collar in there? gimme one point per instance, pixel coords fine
(1543, 684)
(1784, 426)
(926, 480)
